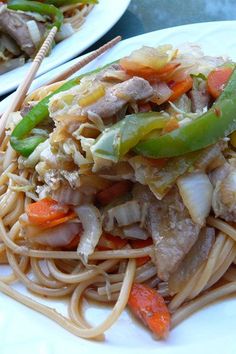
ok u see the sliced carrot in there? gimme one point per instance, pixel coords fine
(45, 210)
(110, 242)
(140, 244)
(118, 189)
(59, 221)
(141, 261)
(150, 307)
(171, 125)
(217, 80)
(150, 74)
(179, 88)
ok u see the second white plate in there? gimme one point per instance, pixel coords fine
(99, 21)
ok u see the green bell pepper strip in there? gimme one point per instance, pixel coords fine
(218, 122)
(117, 140)
(19, 138)
(59, 3)
(41, 8)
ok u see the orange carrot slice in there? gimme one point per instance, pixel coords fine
(217, 80)
(179, 88)
(45, 210)
(110, 242)
(150, 307)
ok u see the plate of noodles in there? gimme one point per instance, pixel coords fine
(24, 25)
(118, 202)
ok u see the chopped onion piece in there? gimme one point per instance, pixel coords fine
(123, 214)
(90, 218)
(57, 236)
(149, 57)
(66, 31)
(135, 232)
(34, 32)
(67, 195)
(196, 191)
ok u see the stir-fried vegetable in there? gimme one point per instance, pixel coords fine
(166, 177)
(217, 80)
(70, 216)
(92, 229)
(45, 210)
(196, 191)
(149, 62)
(92, 97)
(116, 141)
(179, 88)
(150, 307)
(218, 122)
(35, 6)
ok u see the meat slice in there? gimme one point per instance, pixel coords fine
(224, 194)
(171, 227)
(14, 24)
(119, 95)
(200, 98)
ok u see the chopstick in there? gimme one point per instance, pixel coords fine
(70, 71)
(24, 86)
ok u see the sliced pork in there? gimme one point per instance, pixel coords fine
(224, 195)
(171, 227)
(14, 24)
(119, 95)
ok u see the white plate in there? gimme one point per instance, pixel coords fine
(99, 21)
(211, 330)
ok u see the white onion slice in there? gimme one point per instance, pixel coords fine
(135, 232)
(90, 218)
(34, 32)
(67, 195)
(58, 236)
(196, 191)
(66, 31)
(123, 214)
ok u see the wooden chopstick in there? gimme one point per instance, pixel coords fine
(24, 86)
(70, 71)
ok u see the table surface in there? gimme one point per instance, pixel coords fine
(149, 15)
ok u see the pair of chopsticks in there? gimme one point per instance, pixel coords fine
(25, 85)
